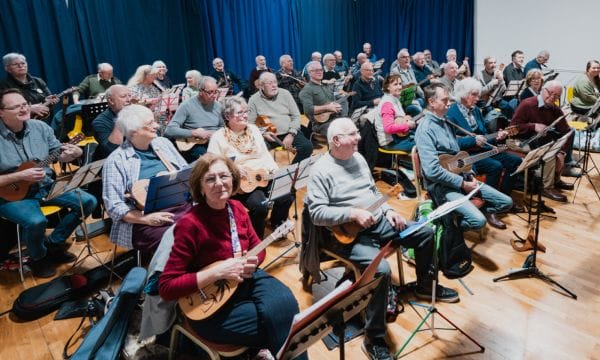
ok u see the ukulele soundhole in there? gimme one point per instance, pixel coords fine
(460, 163)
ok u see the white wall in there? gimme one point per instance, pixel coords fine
(568, 29)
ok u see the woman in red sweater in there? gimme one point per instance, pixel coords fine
(259, 314)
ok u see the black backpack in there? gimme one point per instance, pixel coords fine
(368, 144)
(41, 300)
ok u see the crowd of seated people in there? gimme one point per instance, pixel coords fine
(457, 112)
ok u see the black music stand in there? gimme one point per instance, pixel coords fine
(542, 155)
(332, 312)
(287, 181)
(513, 89)
(168, 190)
(83, 176)
(440, 211)
(587, 156)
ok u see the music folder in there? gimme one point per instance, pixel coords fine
(168, 190)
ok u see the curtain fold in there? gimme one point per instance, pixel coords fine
(63, 44)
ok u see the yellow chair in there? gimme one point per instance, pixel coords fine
(214, 350)
(569, 94)
(46, 211)
(280, 148)
(395, 154)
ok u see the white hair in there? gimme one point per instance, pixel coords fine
(132, 118)
(465, 87)
(337, 127)
(11, 58)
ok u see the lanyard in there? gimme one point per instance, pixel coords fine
(235, 239)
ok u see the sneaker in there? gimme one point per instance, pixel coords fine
(442, 294)
(58, 255)
(376, 350)
(42, 268)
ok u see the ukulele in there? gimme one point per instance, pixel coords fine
(324, 116)
(251, 179)
(265, 125)
(206, 301)
(17, 190)
(346, 233)
(187, 144)
(50, 98)
(462, 162)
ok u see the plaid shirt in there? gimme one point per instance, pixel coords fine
(121, 169)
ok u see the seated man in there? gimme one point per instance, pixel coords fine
(32, 88)
(315, 56)
(261, 67)
(467, 116)
(449, 78)
(197, 119)
(318, 100)
(96, 84)
(415, 106)
(435, 137)
(289, 79)
(532, 117)
(23, 139)
(514, 70)
(492, 91)
(423, 72)
(340, 186)
(434, 65)
(226, 78)
(367, 49)
(367, 88)
(278, 106)
(108, 136)
(536, 63)
(341, 65)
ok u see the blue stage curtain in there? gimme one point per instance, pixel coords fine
(64, 43)
(41, 31)
(239, 30)
(132, 33)
(416, 25)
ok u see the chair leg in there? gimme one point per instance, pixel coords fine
(400, 266)
(112, 266)
(173, 342)
(20, 251)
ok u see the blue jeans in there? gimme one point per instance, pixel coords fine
(258, 315)
(472, 218)
(364, 249)
(493, 168)
(194, 153)
(33, 223)
(404, 143)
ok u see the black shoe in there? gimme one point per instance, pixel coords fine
(42, 268)
(376, 350)
(58, 255)
(442, 293)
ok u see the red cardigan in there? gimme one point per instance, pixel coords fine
(202, 236)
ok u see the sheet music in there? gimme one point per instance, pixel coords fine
(301, 315)
(558, 144)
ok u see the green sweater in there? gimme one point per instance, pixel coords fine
(585, 93)
(282, 111)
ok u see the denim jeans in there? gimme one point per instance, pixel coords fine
(493, 168)
(33, 223)
(472, 218)
(364, 249)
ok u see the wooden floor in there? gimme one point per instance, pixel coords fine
(516, 319)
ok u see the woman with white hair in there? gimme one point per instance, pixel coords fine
(161, 81)
(192, 88)
(142, 85)
(141, 156)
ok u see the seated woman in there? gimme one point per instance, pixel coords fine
(141, 84)
(534, 81)
(244, 143)
(141, 156)
(191, 90)
(395, 129)
(586, 89)
(260, 312)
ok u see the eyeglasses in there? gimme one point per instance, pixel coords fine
(552, 95)
(316, 70)
(241, 113)
(19, 64)
(210, 92)
(17, 107)
(212, 179)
